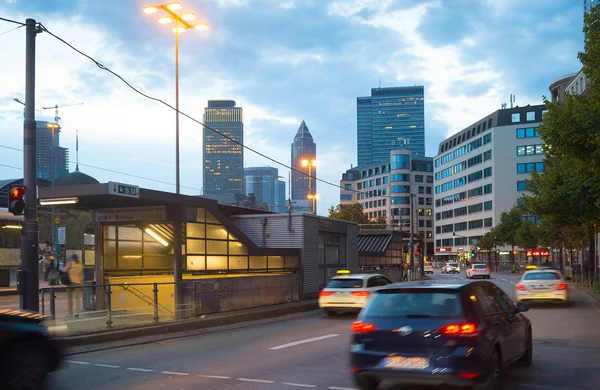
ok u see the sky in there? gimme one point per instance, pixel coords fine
(282, 61)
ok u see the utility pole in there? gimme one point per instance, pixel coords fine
(412, 242)
(29, 236)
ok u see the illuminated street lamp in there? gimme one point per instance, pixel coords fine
(311, 193)
(53, 126)
(181, 24)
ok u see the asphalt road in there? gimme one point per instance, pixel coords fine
(312, 352)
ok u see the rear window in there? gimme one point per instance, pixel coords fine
(407, 304)
(480, 266)
(542, 276)
(345, 283)
(452, 264)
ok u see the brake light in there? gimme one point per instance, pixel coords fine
(360, 293)
(362, 327)
(325, 293)
(468, 375)
(521, 287)
(562, 286)
(459, 329)
(487, 270)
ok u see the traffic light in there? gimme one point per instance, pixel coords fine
(16, 201)
(453, 235)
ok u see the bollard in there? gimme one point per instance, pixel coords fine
(155, 303)
(108, 308)
(43, 302)
(52, 304)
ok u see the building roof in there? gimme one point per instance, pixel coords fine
(303, 132)
(75, 178)
(374, 243)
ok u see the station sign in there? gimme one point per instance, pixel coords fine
(537, 252)
(443, 249)
(62, 235)
(121, 189)
(132, 214)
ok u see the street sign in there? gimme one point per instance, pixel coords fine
(121, 189)
(56, 220)
(62, 235)
(151, 213)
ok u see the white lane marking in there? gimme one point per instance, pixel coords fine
(298, 384)
(139, 369)
(341, 388)
(76, 362)
(305, 341)
(255, 380)
(505, 280)
(174, 373)
(215, 376)
(106, 365)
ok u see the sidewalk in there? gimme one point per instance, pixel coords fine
(588, 291)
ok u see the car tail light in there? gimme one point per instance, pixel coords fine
(325, 293)
(468, 375)
(360, 293)
(521, 287)
(459, 329)
(487, 270)
(562, 286)
(362, 327)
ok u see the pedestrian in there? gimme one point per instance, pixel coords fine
(74, 269)
(53, 274)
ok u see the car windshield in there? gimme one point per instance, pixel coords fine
(405, 304)
(542, 276)
(452, 264)
(480, 266)
(345, 283)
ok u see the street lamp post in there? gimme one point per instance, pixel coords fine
(311, 193)
(53, 126)
(181, 25)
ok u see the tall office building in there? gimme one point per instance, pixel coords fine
(304, 156)
(481, 172)
(46, 154)
(387, 116)
(264, 183)
(223, 158)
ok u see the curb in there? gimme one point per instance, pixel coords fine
(594, 297)
(186, 325)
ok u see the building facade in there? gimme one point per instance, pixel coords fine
(385, 190)
(223, 158)
(304, 157)
(387, 116)
(480, 172)
(264, 183)
(47, 152)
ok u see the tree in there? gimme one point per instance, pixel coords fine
(76, 230)
(506, 230)
(353, 212)
(527, 235)
(488, 242)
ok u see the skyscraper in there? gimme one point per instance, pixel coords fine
(386, 117)
(223, 158)
(46, 154)
(264, 183)
(304, 155)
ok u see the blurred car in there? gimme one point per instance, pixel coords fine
(29, 348)
(543, 285)
(439, 334)
(349, 292)
(451, 268)
(478, 271)
(428, 268)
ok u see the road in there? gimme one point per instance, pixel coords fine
(312, 352)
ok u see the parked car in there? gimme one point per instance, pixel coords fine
(451, 268)
(439, 334)
(348, 292)
(428, 268)
(29, 350)
(543, 285)
(478, 271)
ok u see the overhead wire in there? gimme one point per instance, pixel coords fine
(12, 21)
(11, 30)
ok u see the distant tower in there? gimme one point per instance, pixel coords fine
(303, 149)
(223, 159)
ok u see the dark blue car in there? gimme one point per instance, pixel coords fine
(28, 352)
(448, 335)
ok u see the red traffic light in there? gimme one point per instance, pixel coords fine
(16, 201)
(17, 193)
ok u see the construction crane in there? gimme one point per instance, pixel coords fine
(20, 102)
(57, 106)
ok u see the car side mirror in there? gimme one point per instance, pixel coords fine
(521, 307)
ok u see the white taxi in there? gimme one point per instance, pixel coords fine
(349, 292)
(543, 285)
(451, 267)
(478, 271)
(428, 268)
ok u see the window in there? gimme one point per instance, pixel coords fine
(421, 201)
(460, 226)
(529, 150)
(396, 177)
(400, 161)
(348, 186)
(487, 138)
(521, 185)
(487, 155)
(419, 178)
(346, 197)
(487, 172)
(530, 116)
(476, 208)
(487, 222)
(401, 200)
(478, 223)
(400, 189)
(428, 212)
(385, 180)
(516, 117)
(530, 167)
(529, 132)
(487, 206)
(487, 189)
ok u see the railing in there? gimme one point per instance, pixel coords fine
(92, 307)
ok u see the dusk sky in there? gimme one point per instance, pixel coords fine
(282, 61)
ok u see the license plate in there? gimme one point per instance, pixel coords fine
(407, 363)
(541, 295)
(341, 294)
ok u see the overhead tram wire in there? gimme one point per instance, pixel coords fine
(12, 21)
(11, 30)
(130, 85)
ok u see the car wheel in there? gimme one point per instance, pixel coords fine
(494, 380)
(366, 383)
(28, 368)
(527, 358)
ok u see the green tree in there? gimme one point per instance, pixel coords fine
(353, 212)
(488, 242)
(76, 229)
(506, 230)
(527, 235)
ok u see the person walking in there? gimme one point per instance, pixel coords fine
(75, 271)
